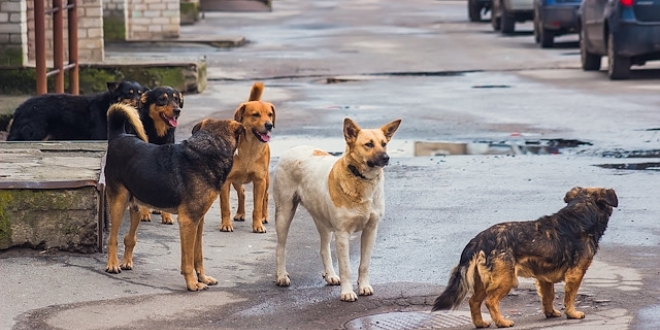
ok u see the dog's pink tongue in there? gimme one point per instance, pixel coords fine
(265, 137)
(172, 122)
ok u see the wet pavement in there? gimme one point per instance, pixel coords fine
(451, 82)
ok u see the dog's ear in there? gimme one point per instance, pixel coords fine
(351, 130)
(237, 128)
(272, 107)
(572, 194)
(390, 128)
(239, 113)
(198, 126)
(180, 100)
(608, 196)
(112, 86)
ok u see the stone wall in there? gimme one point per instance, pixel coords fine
(13, 33)
(152, 19)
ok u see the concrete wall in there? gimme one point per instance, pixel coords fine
(13, 33)
(152, 19)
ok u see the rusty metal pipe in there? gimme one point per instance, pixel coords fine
(58, 45)
(74, 83)
(40, 46)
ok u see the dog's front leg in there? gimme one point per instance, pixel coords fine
(130, 239)
(347, 293)
(199, 257)
(573, 279)
(366, 246)
(329, 272)
(188, 230)
(116, 206)
(225, 211)
(257, 215)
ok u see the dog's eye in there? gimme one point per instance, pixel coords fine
(369, 144)
(383, 144)
(256, 114)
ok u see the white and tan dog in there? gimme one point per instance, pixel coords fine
(343, 195)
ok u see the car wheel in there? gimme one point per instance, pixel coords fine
(547, 38)
(537, 38)
(618, 67)
(494, 19)
(474, 11)
(590, 61)
(508, 22)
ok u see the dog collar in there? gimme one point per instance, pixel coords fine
(355, 172)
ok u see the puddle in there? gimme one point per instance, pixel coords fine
(649, 317)
(410, 321)
(620, 153)
(491, 86)
(634, 167)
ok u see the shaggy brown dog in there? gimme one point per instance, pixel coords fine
(554, 248)
(251, 162)
(180, 178)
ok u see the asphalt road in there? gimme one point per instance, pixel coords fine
(449, 80)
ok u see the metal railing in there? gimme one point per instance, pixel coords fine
(57, 12)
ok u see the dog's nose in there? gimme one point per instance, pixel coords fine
(385, 159)
(269, 126)
(177, 111)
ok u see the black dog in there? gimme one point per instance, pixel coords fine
(70, 117)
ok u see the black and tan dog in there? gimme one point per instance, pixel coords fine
(159, 110)
(69, 117)
(554, 248)
(251, 162)
(183, 178)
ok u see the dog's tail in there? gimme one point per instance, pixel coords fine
(257, 90)
(461, 281)
(119, 115)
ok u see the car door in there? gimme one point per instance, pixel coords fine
(593, 21)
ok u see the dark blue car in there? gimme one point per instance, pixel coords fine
(553, 18)
(626, 31)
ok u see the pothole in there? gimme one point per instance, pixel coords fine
(620, 153)
(634, 167)
(410, 321)
(491, 86)
(509, 147)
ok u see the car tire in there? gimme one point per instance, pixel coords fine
(474, 11)
(494, 19)
(537, 37)
(590, 61)
(508, 22)
(547, 37)
(618, 67)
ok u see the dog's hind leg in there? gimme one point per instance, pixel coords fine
(546, 291)
(240, 211)
(285, 209)
(265, 207)
(573, 279)
(367, 240)
(131, 238)
(328, 270)
(199, 257)
(259, 193)
(145, 213)
(344, 264)
(188, 231)
(475, 301)
(166, 218)
(502, 280)
(117, 198)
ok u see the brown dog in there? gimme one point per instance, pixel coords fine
(554, 248)
(250, 162)
(180, 178)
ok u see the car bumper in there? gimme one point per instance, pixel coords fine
(520, 5)
(560, 17)
(637, 39)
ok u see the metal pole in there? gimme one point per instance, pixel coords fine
(40, 46)
(58, 45)
(74, 85)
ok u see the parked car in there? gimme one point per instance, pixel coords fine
(477, 7)
(553, 18)
(506, 13)
(626, 31)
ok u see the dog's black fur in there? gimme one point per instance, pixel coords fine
(152, 103)
(69, 117)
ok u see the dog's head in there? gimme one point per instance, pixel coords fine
(369, 146)
(228, 130)
(257, 116)
(126, 92)
(164, 107)
(601, 196)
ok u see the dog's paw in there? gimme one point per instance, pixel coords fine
(154, 211)
(207, 280)
(366, 290)
(504, 323)
(239, 218)
(349, 296)
(574, 315)
(112, 269)
(126, 265)
(265, 220)
(145, 219)
(197, 286)
(331, 279)
(482, 324)
(259, 229)
(283, 280)
(554, 313)
(227, 228)
(166, 219)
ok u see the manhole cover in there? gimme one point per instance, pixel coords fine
(410, 321)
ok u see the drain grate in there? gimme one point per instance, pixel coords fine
(409, 321)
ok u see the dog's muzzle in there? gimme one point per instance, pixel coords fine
(381, 159)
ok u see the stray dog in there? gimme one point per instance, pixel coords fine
(159, 110)
(250, 162)
(69, 117)
(554, 248)
(343, 195)
(180, 178)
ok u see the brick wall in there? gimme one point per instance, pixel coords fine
(90, 32)
(13, 33)
(152, 19)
